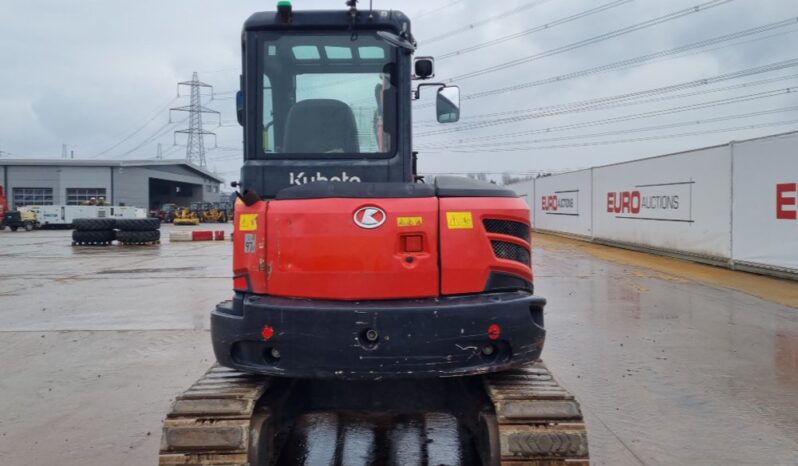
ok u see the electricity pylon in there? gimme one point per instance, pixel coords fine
(195, 147)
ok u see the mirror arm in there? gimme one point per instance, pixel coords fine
(417, 92)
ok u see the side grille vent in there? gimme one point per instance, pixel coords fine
(507, 227)
(511, 251)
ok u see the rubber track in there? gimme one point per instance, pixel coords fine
(540, 422)
(209, 424)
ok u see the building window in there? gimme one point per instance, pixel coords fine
(77, 196)
(32, 196)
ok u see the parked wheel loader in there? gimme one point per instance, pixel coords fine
(214, 213)
(186, 216)
(375, 318)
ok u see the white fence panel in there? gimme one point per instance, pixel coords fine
(766, 202)
(526, 190)
(563, 203)
(679, 202)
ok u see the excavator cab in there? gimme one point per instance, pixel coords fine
(326, 96)
(345, 264)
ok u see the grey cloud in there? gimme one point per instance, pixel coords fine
(89, 73)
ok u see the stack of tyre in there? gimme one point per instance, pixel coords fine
(93, 231)
(138, 231)
(103, 231)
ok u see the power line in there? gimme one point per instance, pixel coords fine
(610, 104)
(510, 172)
(662, 112)
(594, 40)
(641, 139)
(600, 103)
(642, 59)
(149, 120)
(694, 122)
(485, 21)
(160, 132)
(526, 32)
(435, 10)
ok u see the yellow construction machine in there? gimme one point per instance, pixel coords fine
(186, 216)
(213, 213)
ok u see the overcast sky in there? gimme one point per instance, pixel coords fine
(90, 73)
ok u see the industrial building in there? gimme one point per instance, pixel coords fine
(140, 183)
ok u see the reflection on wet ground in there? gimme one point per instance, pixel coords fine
(668, 370)
(354, 439)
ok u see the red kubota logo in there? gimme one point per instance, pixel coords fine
(369, 217)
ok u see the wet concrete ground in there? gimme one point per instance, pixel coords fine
(96, 342)
(668, 370)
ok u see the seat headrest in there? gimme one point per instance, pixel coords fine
(321, 126)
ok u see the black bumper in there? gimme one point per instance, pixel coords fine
(365, 340)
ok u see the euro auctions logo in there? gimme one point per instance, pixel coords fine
(624, 202)
(560, 203)
(786, 201)
(665, 202)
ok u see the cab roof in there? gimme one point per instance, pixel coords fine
(391, 20)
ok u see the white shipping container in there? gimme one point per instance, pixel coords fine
(526, 191)
(766, 202)
(563, 203)
(679, 202)
(66, 214)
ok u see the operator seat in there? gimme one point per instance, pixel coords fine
(320, 126)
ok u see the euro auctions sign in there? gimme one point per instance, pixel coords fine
(765, 222)
(786, 197)
(560, 203)
(668, 202)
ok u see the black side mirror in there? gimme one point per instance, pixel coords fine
(447, 104)
(424, 68)
(240, 107)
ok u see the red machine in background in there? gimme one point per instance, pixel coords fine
(3, 204)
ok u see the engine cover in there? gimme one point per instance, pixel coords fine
(338, 248)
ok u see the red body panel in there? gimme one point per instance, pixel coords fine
(249, 248)
(316, 250)
(313, 248)
(3, 203)
(467, 257)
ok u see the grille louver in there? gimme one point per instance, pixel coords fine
(511, 251)
(507, 227)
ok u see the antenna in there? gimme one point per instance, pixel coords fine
(352, 4)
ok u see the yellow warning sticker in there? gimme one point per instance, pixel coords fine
(248, 222)
(409, 221)
(457, 220)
